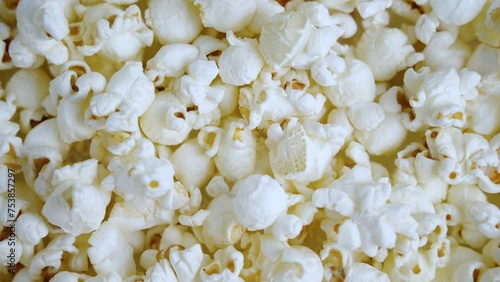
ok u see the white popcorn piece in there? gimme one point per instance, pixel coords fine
(326, 71)
(225, 15)
(425, 27)
(28, 88)
(69, 277)
(41, 27)
(192, 166)
(491, 275)
(31, 228)
(296, 263)
(194, 88)
(127, 96)
(186, 262)
(365, 272)
(51, 257)
(491, 16)
(76, 205)
(217, 186)
(221, 228)
(173, 21)
(241, 62)
(70, 94)
(161, 271)
(439, 98)
(486, 217)
(258, 201)
(171, 60)
(110, 251)
(165, 121)
(264, 13)
(107, 277)
(152, 178)
(300, 43)
(445, 51)
(106, 29)
(227, 265)
(196, 219)
(384, 59)
(368, 8)
(485, 27)
(456, 12)
(237, 154)
(209, 139)
(484, 60)
(356, 84)
(301, 152)
(287, 227)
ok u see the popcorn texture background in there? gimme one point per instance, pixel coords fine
(250, 140)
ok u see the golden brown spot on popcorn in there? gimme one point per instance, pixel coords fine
(297, 85)
(6, 57)
(437, 230)
(155, 241)
(273, 75)
(434, 134)
(209, 138)
(11, 4)
(34, 123)
(154, 184)
(403, 100)
(495, 15)
(284, 124)
(68, 196)
(452, 175)
(336, 228)
(414, 6)
(48, 273)
(261, 97)
(74, 30)
(73, 84)
(440, 252)
(5, 233)
(399, 254)
(79, 70)
(179, 115)
(237, 134)
(448, 217)
(236, 232)
(230, 266)
(494, 176)
(78, 43)
(39, 164)
(338, 274)
(213, 268)
(497, 226)
(192, 108)
(457, 115)
(111, 20)
(245, 113)
(215, 53)
(416, 269)
(475, 274)
(474, 166)
(129, 172)
(283, 2)
(415, 153)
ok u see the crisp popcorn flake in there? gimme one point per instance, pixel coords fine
(250, 140)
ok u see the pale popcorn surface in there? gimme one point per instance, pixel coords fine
(249, 140)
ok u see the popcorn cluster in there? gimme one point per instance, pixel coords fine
(251, 140)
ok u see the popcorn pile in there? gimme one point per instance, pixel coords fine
(251, 140)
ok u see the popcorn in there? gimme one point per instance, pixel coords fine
(50, 258)
(192, 167)
(162, 64)
(31, 228)
(315, 143)
(226, 16)
(117, 109)
(259, 201)
(106, 29)
(295, 263)
(41, 27)
(237, 152)
(242, 62)
(186, 263)
(227, 265)
(456, 13)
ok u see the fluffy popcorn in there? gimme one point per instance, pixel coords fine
(226, 15)
(384, 59)
(165, 121)
(445, 51)
(186, 263)
(126, 97)
(171, 61)
(192, 166)
(296, 263)
(31, 228)
(259, 200)
(227, 265)
(301, 152)
(173, 21)
(236, 157)
(241, 62)
(456, 12)
(41, 27)
(439, 98)
(106, 29)
(76, 205)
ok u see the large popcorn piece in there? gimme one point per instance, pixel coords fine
(297, 263)
(173, 21)
(41, 25)
(259, 201)
(126, 97)
(241, 63)
(456, 12)
(224, 15)
(171, 60)
(76, 205)
(301, 152)
(439, 98)
(107, 29)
